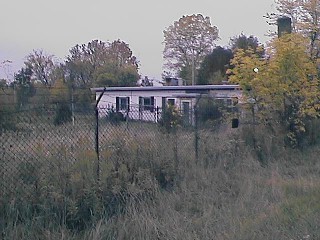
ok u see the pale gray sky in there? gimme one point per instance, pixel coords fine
(57, 25)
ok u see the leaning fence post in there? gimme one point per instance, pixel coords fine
(97, 134)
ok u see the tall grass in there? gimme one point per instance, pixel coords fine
(245, 184)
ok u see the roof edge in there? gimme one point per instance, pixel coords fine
(168, 88)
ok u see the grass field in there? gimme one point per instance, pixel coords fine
(152, 186)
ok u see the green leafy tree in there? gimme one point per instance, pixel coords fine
(99, 64)
(60, 96)
(214, 66)
(84, 60)
(6, 106)
(187, 41)
(247, 42)
(127, 76)
(105, 79)
(23, 86)
(285, 87)
(102, 63)
(121, 68)
(210, 110)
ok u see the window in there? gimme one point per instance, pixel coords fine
(224, 101)
(122, 103)
(146, 103)
(186, 113)
(171, 102)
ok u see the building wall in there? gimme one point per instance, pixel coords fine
(183, 100)
(109, 101)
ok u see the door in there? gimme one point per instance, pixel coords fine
(186, 113)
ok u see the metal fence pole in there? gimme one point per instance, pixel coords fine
(196, 133)
(97, 134)
(97, 143)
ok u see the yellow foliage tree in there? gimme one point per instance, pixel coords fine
(285, 86)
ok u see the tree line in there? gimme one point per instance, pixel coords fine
(44, 80)
(280, 77)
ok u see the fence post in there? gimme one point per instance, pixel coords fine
(196, 133)
(97, 134)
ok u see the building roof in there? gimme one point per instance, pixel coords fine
(168, 88)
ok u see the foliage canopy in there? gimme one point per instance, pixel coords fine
(285, 88)
(102, 63)
(187, 41)
(304, 15)
(213, 67)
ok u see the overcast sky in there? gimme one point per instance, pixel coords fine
(57, 25)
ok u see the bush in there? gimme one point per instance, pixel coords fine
(6, 119)
(210, 110)
(114, 116)
(171, 118)
(63, 114)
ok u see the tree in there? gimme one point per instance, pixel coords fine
(310, 25)
(23, 86)
(84, 60)
(305, 19)
(285, 87)
(213, 68)
(60, 96)
(121, 69)
(284, 8)
(209, 109)
(187, 42)
(6, 106)
(101, 63)
(42, 66)
(121, 54)
(245, 42)
(128, 77)
(59, 92)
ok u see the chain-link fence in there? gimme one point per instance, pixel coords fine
(34, 142)
(52, 157)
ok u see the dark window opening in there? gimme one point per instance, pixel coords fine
(171, 102)
(122, 103)
(146, 103)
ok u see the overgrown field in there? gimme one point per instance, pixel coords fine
(149, 184)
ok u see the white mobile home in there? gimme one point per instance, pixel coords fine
(140, 103)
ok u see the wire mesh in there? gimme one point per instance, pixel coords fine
(36, 149)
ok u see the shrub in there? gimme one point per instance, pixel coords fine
(114, 116)
(63, 114)
(209, 109)
(171, 118)
(6, 119)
